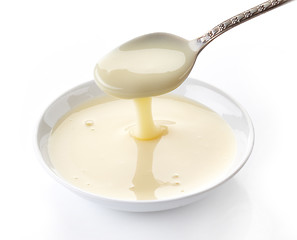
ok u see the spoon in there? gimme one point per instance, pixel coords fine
(157, 63)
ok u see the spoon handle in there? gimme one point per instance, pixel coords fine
(238, 19)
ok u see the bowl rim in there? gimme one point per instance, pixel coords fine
(193, 194)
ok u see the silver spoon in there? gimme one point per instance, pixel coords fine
(157, 63)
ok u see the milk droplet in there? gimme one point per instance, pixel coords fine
(175, 175)
(89, 123)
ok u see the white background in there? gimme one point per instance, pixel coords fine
(48, 47)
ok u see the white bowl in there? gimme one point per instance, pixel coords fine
(210, 96)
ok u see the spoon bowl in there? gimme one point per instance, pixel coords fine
(146, 66)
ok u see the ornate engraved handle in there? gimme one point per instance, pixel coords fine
(238, 19)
